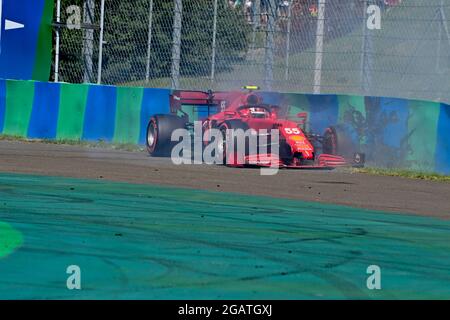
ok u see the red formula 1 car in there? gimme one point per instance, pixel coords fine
(297, 148)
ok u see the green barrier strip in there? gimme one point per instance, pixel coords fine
(150, 242)
(348, 105)
(71, 111)
(351, 103)
(422, 122)
(297, 104)
(128, 114)
(19, 104)
(189, 111)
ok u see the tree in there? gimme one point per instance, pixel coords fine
(126, 33)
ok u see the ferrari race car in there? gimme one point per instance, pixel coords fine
(224, 111)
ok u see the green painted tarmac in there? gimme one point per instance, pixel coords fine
(150, 242)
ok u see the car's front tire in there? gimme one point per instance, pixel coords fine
(337, 142)
(230, 157)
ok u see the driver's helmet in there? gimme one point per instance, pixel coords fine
(258, 112)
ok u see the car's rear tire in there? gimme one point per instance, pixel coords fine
(159, 132)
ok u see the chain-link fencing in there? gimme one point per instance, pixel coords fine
(76, 47)
(371, 47)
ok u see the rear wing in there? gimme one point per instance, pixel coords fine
(204, 98)
(196, 99)
(208, 102)
(202, 102)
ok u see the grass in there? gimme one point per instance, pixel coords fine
(89, 144)
(404, 174)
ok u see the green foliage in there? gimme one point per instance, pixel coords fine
(197, 35)
(71, 59)
(126, 35)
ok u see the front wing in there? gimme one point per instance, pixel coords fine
(323, 162)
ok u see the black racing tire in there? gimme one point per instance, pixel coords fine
(337, 142)
(159, 132)
(232, 125)
(285, 151)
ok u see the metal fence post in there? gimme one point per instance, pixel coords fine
(319, 46)
(256, 20)
(363, 47)
(149, 41)
(443, 26)
(176, 48)
(88, 40)
(444, 22)
(269, 54)
(100, 49)
(367, 48)
(58, 20)
(213, 62)
(288, 40)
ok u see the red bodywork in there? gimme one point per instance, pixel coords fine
(224, 107)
